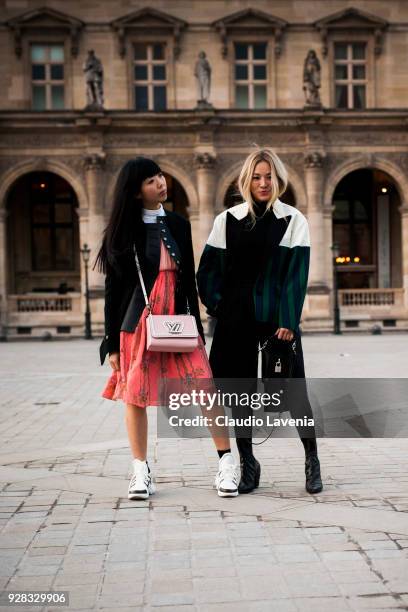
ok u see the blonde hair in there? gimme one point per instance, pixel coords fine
(279, 177)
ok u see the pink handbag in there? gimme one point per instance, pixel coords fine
(168, 333)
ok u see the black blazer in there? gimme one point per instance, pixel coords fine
(123, 296)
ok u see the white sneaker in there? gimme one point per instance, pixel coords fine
(141, 484)
(226, 481)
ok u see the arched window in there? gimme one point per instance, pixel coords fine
(366, 227)
(43, 234)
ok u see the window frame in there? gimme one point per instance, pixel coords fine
(48, 40)
(270, 63)
(168, 62)
(369, 80)
(53, 226)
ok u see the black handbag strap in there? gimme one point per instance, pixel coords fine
(265, 344)
(139, 271)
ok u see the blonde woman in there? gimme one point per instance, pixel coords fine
(252, 277)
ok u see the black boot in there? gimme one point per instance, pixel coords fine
(250, 467)
(312, 466)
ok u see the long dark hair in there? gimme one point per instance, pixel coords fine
(125, 219)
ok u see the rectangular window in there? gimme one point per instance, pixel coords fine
(52, 225)
(350, 75)
(250, 74)
(150, 77)
(47, 77)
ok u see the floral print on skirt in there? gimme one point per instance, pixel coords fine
(138, 380)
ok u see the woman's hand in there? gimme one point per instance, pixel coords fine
(114, 361)
(284, 334)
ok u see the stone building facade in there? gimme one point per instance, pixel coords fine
(347, 152)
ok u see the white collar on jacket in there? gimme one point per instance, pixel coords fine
(280, 210)
(297, 233)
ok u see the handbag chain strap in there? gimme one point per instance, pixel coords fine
(139, 271)
(265, 344)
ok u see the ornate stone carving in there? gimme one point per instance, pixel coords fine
(332, 162)
(278, 42)
(399, 159)
(222, 30)
(313, 160)
(72, 163)
(247, 21)
(94, 161)
(29, 139)
(202, 72)
(351, 19)
(369, 136)
(45, 19)
(94, 82)
(139, 139)
(76, 163)
(378, 41)
(9, 162)
(312, 80)
(204, 160)
(149, 20)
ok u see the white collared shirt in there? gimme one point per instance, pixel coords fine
(150, 216)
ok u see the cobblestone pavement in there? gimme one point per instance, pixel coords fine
(66, 523)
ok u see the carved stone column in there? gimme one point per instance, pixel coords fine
(314, 187)
(206, 179)
(404, 231)
(3, 274)
(318, 299)
(94, 164)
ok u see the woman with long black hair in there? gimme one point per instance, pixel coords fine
(252, 278)
(163, 244)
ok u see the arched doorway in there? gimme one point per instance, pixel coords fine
(233, 196)
(42, 236)
(177, 200)
(367, 230)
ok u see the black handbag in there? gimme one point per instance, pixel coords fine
(278, 358)
(278, 362)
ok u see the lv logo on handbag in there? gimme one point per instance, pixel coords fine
(176, 335)
(174, 327)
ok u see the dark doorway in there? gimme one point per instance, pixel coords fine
(367, 229)
(43, 234)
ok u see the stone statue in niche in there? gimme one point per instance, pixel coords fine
(94, 82)
(202, 72)
(312, 79)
